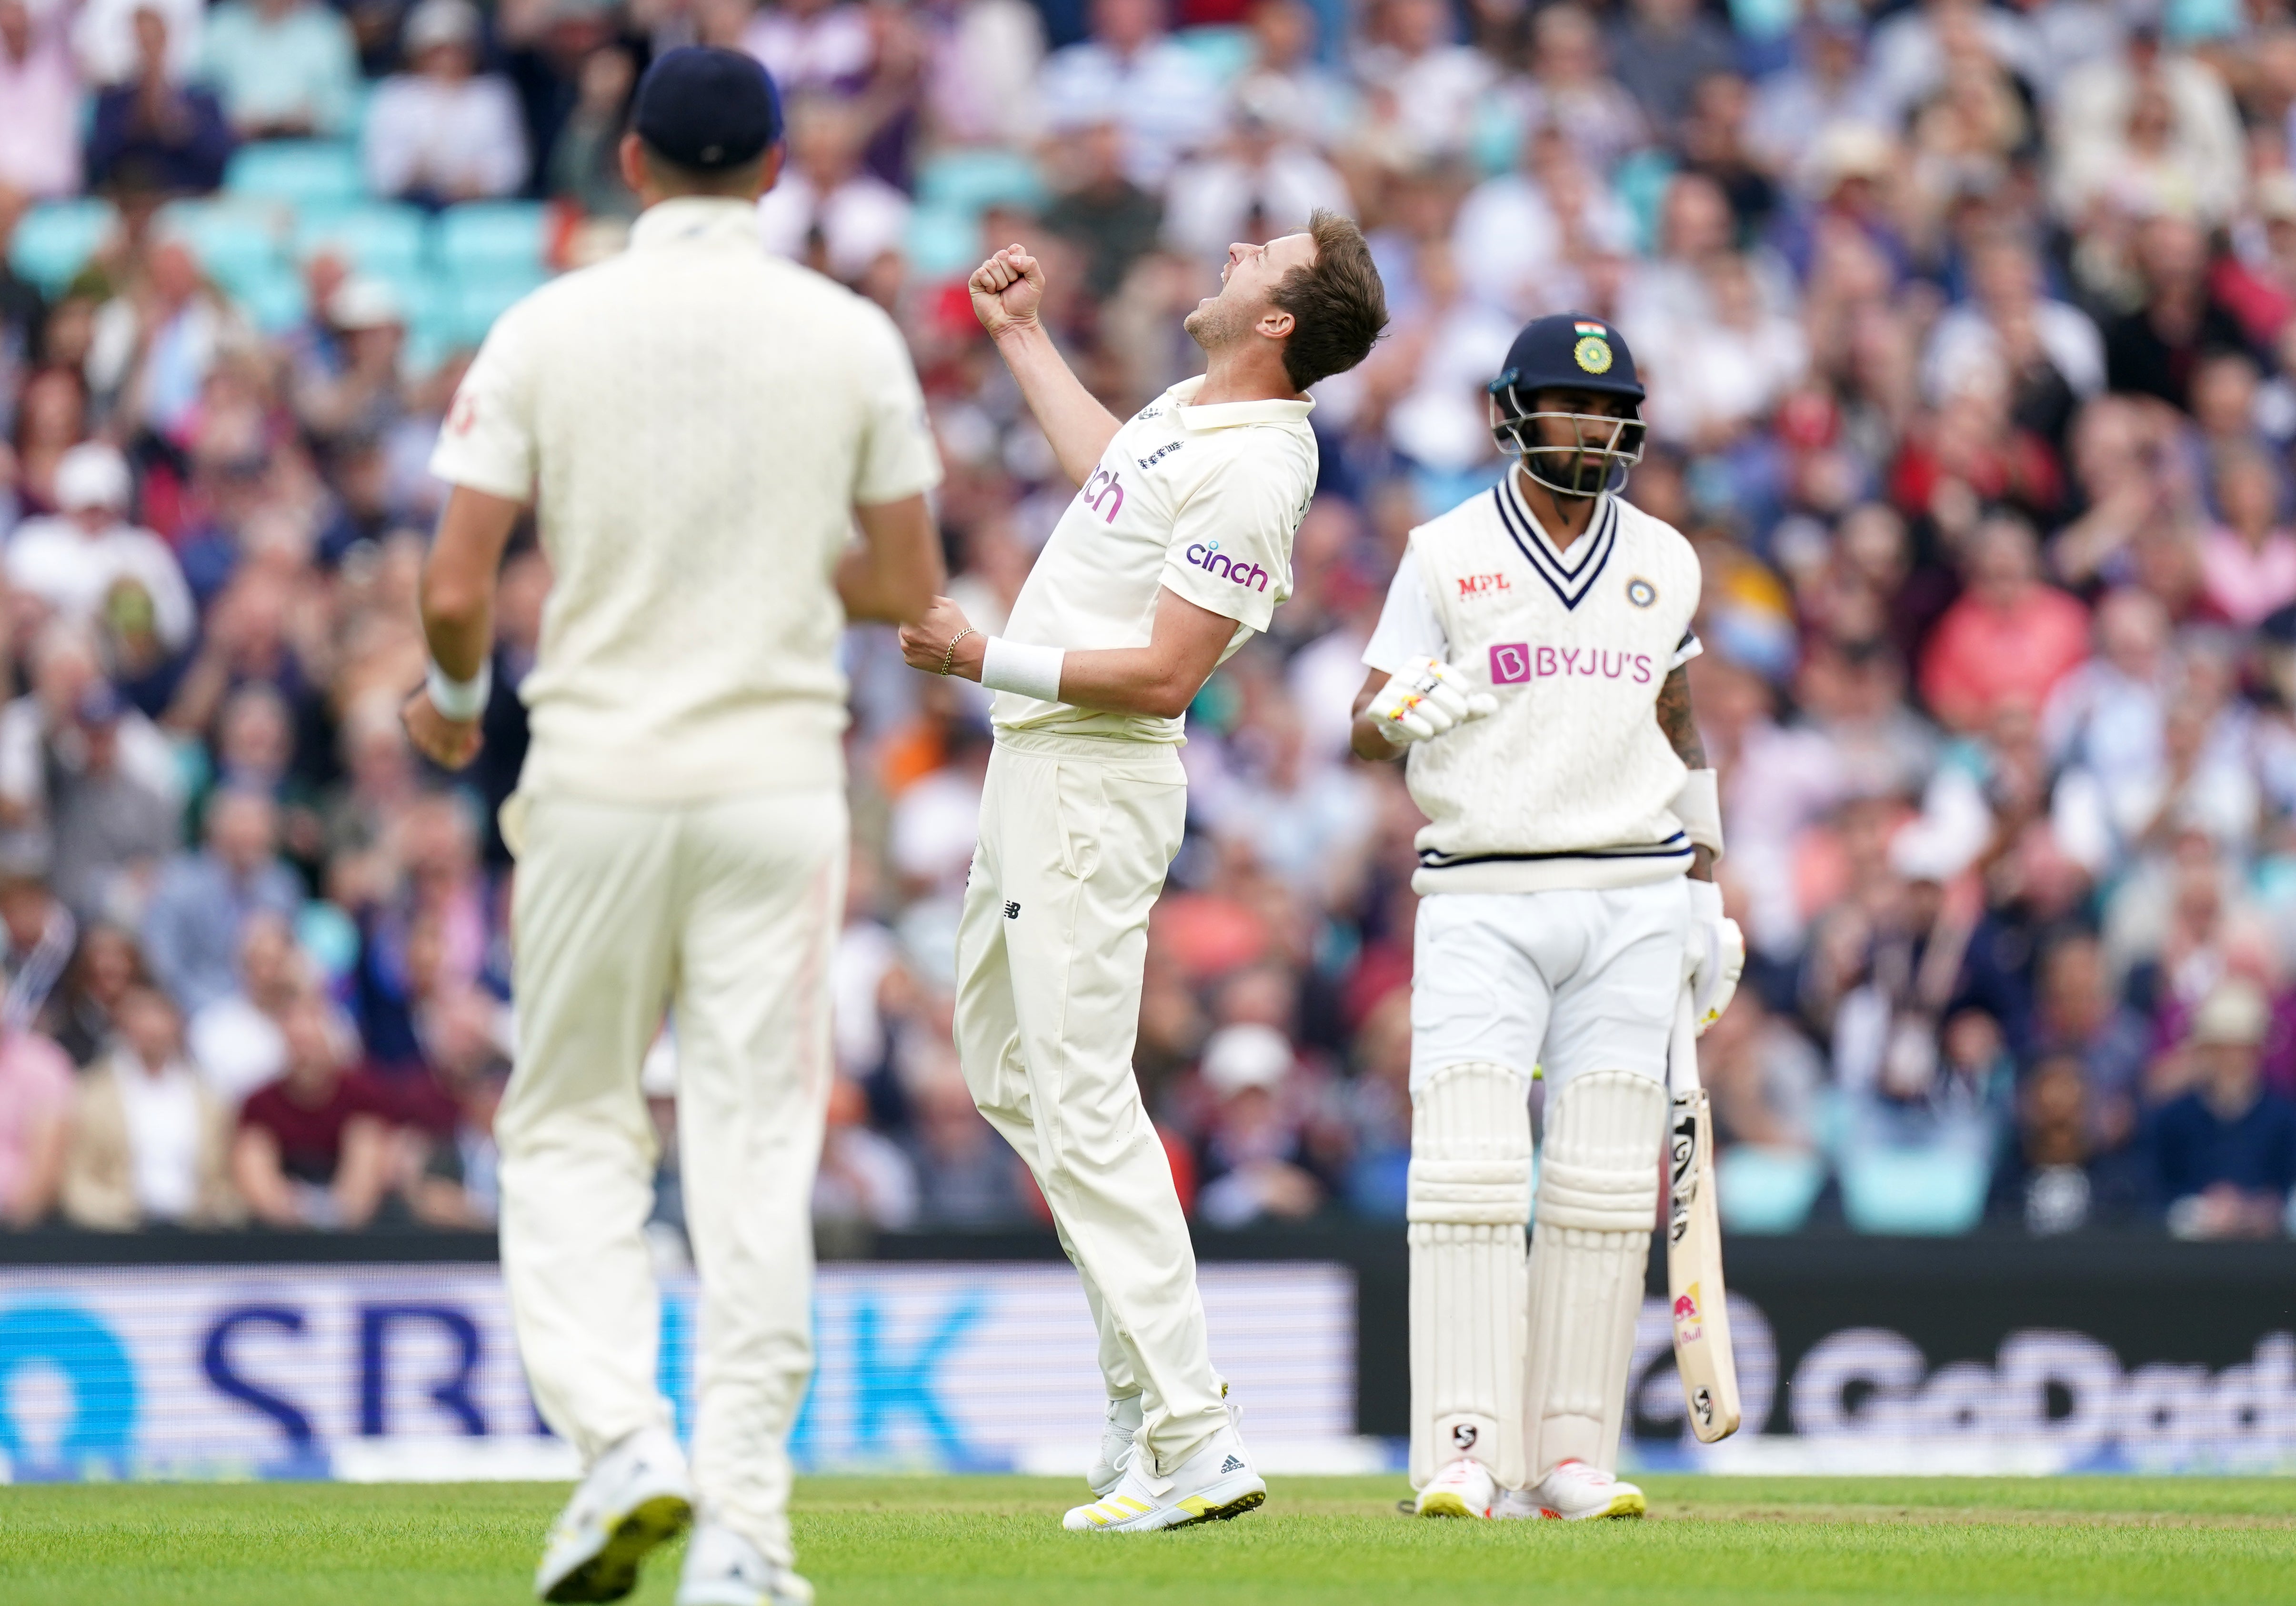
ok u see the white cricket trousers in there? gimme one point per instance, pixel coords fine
(726, 912)
(1076, 835)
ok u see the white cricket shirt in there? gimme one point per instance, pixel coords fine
(1570, 782)
(1204, 500)
(696, 420)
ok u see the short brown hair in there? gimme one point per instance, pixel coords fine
(1337, 303)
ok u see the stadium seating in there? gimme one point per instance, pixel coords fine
(235, 241)
(1926, 1192)
(972, 181)
(1766, 1189)
(382, 238)
(491, 238)
(304, 174)
(55, 239)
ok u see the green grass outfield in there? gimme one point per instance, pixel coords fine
(924, 1542)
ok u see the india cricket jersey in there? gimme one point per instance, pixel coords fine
(1204, 500)
(1570, 782)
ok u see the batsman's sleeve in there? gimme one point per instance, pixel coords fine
(1231, 549)
(1409, 626)
(488, 440)
(897, 457)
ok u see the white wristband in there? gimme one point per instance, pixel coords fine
(1699, 806)
(1028, 671)
(462, 700)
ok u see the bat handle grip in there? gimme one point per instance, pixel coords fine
(1682, 1045)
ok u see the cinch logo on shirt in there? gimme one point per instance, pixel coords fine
(1514, 662)
(1206, 556)
(1474, 585)
(1100, 488)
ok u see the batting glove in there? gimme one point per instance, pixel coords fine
(1714, 955)
(1426, 697)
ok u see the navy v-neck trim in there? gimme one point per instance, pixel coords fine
(1569, 585)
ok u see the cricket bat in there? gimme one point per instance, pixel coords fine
(1694, 1244)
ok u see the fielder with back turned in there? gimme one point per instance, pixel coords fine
(702, 428)
(1530, 662)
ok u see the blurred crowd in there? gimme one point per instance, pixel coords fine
(1971, 337)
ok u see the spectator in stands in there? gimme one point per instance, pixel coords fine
(236, 1040)
(153, 134)
(36, 938)
(585, 163)
(2058, 1176)
(2010, 638)
(2225, 1153)
(1112, 221)
(112, 820)
(967, 1176)
(1167, 102)
(442, 133)
(35, 1101)
(865, 1181)
(812, 47)
(285, 68)
(39, 137)
(1254, 1160)
(2248, 561)
(81, 1014)
(2153, 350)
(1659, 50)
(456, 1181)
(89, 559)
(316, 1147)
(200, 907)
(353, 390)
(151, 1143)
(826, 211)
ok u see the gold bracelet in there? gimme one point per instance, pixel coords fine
(948, 659)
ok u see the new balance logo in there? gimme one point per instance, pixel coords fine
(1231, 1465)
(1011, 910)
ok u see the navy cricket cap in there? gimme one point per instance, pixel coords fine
(707, 109)
(1568, 350)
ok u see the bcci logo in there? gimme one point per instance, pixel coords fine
(1593, 353)
(1641, 593)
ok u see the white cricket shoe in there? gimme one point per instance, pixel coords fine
(1464, 1489)
(1211, 1485)
(1115, 1445)
(638, 1496)
(723, 1569)
(1575, 1492)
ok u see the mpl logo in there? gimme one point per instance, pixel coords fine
(1207, 556)
(1474, 587)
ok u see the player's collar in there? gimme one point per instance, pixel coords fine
(685, 219)
(1227, 415)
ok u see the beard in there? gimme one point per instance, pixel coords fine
(1219, 324)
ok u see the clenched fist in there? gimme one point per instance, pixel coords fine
(1424, 699)
(1006, 291)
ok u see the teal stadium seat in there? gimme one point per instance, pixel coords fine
(304, 175)
(943, 242)
(472, 302)
(55, 239)
(1765, 1190)
(275, 302)
(236, 241)
(1225, 52)
(1914, 1193)
(491, 239)
(382, 238)
(970, 182)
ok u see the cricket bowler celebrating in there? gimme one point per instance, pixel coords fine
(1177, 548)
(1530, 662)
(700, 427)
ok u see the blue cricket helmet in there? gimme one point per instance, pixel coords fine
(1569, 351)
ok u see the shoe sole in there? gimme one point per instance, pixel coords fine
(1621, 1506)
(1215, 1506)
(613, 1572)
(1445, 1503)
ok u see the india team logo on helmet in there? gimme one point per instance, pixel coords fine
(1574, 454)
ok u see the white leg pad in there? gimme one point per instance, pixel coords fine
(1598, 1191)
(1469, 1200)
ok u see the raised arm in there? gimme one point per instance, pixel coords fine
(1163, 678)
(1006, 291)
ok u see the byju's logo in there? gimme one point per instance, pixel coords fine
(1207, 556)
(1514, 662)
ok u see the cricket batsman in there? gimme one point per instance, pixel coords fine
(1528, 665)
(701, 428)
(1177, 548)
